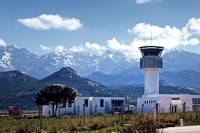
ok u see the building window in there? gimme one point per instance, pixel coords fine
(117, 105)
(69, 104)
(196, 100)
(86, 102)
(176, 98)
(101, 103)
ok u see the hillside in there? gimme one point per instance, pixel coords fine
(67, 76)
(19, 89)
(189, 78)
(14, 84)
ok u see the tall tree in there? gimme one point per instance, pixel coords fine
(55, 95)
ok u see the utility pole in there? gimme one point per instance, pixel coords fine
(83, 113)
(184, 106)
(40, 115)
(155, 113)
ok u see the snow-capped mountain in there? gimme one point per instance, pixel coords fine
(118, 68)
(178, 60)
(13, 58)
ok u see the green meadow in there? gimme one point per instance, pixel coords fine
(95, 124)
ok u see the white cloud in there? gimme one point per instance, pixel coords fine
(2, 42)
(45, 48)
(129, 50)
(145, 1)
(193, 26)
(59, 49)
(144, 35)
(168, 37)
(114, 44)
(77, 49)
(46, 22)
(94, 47)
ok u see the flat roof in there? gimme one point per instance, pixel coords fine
(151, 47)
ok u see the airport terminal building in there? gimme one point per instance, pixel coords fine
(89, 106)
(151, 62)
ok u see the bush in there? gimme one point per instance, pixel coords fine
(145, 123)
(106, 123)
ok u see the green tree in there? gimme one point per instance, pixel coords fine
(55, 95)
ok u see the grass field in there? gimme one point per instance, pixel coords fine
(102, 124)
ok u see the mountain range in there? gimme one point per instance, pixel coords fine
(89, 74)
(110, 68)
(14, 58)
(18, 89)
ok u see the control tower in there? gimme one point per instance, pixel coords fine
(151, 62)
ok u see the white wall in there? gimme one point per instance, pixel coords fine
(77, 106)
(151, 81)
(96, 104)
(165, 100)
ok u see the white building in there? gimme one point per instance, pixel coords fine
(151, 62)
(90, 106)
(168, 103)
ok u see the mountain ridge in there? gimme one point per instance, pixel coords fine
(115, 68)
(21, 89)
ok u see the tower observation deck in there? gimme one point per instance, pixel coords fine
(151, 57)
(151, 62)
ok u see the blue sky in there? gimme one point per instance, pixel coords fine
(43, 26)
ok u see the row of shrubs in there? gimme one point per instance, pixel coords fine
(105, 123)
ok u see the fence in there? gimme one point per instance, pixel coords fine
(25, 112)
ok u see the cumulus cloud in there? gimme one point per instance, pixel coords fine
(46, 48)
(59, 49)
(167, 36)
(2, 42)
(47, 22)
(193, 26)
(129, 50)
(143, 35)
(145, 1)
(92, 48)
(77, 49)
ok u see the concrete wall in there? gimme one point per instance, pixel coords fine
(151, 81)
(166, 103)
(93, 107)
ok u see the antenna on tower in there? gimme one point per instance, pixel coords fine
(151, 35)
